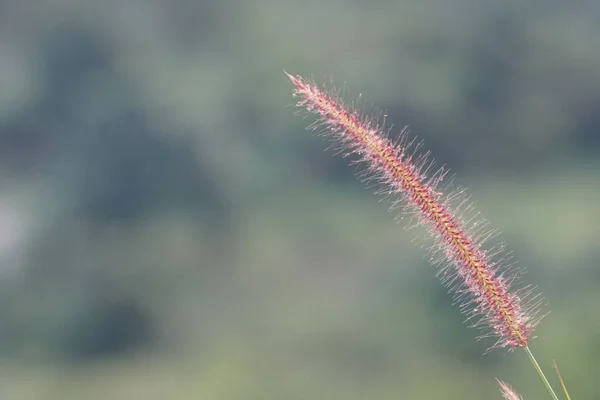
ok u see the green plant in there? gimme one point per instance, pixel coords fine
(484, 283)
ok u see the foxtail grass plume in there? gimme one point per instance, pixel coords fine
(507, 392)
(481, 279)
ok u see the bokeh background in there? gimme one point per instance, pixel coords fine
(168, 230)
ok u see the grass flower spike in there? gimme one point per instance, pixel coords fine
(480, 278)
(507, 392)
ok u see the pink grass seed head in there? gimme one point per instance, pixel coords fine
(481, 279)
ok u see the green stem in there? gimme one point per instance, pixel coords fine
(540, 373)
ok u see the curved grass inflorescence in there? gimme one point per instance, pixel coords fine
(481, 279)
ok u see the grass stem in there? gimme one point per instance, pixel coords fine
(540, 373)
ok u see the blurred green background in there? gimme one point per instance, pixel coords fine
(168, 230)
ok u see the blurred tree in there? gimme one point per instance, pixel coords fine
(108, 164)
(587, 129)
(107, 323)
(492, 61)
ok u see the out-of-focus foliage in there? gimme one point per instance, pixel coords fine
(167, 229)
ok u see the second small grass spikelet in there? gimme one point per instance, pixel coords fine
(507, 392)
(478, 277)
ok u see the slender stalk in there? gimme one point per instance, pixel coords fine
(540, 373)
(562, 382)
